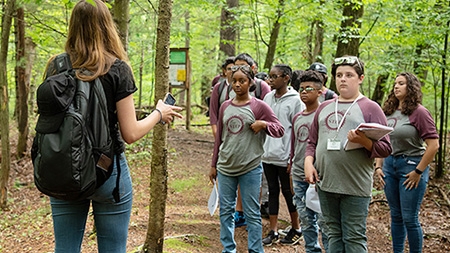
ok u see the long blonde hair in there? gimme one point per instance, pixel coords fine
(93, 42)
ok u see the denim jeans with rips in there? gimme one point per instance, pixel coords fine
(346, 217)
(404, 204)
(249, 184)
(311, 222)
(111, 219)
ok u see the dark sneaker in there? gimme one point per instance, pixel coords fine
(293, 237)
(265, 210)
(239, 220)
(270, 239)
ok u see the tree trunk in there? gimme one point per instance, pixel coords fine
(158, 182)
(9, 8)
(22, 86)
(274, 36)
(227, 44)
(378, 92)
(349, 33)
(121, 14)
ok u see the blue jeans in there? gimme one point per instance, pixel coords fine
(249, 184)
(346, 217)
(111, 219)
(311, 221)
(404, 204)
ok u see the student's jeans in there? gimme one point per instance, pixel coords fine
(111, 219)
(249, 184)
(345, 216)
(311, 221)
(404, 204)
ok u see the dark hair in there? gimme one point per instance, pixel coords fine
(412, 99)
(262, 75)
(250, 75)
(312, 76)
(296, 74)
(228, 61)
(285, 69)
(358, 66)
(245, 57)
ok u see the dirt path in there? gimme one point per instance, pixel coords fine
(27, 226)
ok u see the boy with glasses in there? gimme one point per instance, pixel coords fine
(310, 90)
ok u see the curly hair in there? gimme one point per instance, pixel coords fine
(412, 99)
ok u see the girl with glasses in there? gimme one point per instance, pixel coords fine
(244, 122)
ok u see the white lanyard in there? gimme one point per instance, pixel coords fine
(345, 114)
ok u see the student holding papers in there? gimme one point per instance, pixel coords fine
(344, 178)
(405, 172)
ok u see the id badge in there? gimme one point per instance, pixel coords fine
(334, 144)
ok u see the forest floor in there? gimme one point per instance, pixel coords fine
(27, 225)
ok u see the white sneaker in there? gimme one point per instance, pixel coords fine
(285, 231)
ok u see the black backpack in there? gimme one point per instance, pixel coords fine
(72, 151)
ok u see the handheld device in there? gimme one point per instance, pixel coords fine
(169, 99)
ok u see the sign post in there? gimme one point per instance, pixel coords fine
(179, 77)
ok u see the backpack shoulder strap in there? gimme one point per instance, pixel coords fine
(329, 94)
(258, 88)
(221, 88)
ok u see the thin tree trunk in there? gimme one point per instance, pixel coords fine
(228, 24)
(378, 92)
(274, 36)
(22, 86)
(4, 103)
(158, 183)
(121, 14)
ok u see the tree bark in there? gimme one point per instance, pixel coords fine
(227, 44)
(22, 85)
(378, 92)
(349, 32)
(158, 183)
(121, 14)
(274, 36)
(4, 103)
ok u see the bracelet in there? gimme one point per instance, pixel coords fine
(378, 168)
(418, 171)
(160, 116)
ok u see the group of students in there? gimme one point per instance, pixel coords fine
(295, 136)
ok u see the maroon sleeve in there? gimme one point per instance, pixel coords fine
(218, 138)
(265, 89)
(373, 114)
(422, 120)
(313, 133)
(262, 111)
(214, 105)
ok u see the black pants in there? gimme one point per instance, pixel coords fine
(276, 176)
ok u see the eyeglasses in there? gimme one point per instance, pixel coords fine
(245, 68)
(307, 89)
(273, 77)
(350, 60)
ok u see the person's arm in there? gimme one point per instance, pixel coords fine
(311, 175)
(413, 177)
(214, 108)
(133, 129)
(379, 170)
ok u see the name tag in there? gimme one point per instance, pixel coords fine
(334, 144)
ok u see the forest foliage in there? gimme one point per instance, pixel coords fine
(395, 36)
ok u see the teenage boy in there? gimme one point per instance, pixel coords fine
(310, 90)
(322, 70)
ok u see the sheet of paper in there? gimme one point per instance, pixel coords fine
(213, 200)
(373, 131)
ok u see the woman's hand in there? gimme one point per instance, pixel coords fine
(168, 112)
(380, 174)
(412, 180)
